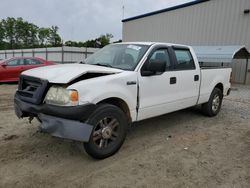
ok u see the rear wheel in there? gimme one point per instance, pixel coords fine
(110, 128)
(213, 106)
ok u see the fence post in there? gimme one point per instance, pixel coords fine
(62, 55)
(5, 53)
(86, 51)
(46, 54)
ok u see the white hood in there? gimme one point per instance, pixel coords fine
(65, 73)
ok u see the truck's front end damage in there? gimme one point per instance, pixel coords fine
(65, 121)
(92, 102)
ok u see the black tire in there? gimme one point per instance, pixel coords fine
(213, 106)
(108, 121)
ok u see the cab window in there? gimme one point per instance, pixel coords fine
(162, 55)
(184, 59)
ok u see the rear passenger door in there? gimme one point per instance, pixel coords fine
(31, 63)
(187, 77)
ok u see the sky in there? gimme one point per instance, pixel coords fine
(80, 20)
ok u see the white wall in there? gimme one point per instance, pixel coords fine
(214, 22)
(58, 54)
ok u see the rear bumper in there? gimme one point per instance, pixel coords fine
(59, 121)
(227, 89)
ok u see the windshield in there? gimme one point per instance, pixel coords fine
(121, 56)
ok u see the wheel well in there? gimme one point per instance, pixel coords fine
(220, 86)
(120, 104)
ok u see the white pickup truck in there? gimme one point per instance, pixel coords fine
(95, 101)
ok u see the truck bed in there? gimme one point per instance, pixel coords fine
(208, 77)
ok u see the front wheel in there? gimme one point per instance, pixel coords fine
(109, 132)
(213, 106)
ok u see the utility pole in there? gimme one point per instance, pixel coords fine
(123, 9)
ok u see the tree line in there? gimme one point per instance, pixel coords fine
(99, 42)
(16, 33)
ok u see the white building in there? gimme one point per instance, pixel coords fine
(198, 23)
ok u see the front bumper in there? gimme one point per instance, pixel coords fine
(59, 121)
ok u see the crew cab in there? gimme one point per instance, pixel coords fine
(96, 100)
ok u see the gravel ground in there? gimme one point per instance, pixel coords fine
(181, 149)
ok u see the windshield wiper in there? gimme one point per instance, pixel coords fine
(104, 65)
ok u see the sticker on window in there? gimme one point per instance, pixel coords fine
(134, 47)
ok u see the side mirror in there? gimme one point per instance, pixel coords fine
(4, 65)
(153, 67)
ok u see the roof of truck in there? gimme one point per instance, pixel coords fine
(138, 43)
(152, 43)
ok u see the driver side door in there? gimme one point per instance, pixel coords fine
(157, 93)
(13, 69)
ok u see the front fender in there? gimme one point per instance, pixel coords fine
(97, 89)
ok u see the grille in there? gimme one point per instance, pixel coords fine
(32, 89)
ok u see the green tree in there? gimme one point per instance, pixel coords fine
(2, 33)
(32, 37)
(9, 28)
(43, 35)
(105, 39)
(17, 33)
(55, 38)
(73, 43)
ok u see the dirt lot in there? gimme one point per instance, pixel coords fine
(181, 149)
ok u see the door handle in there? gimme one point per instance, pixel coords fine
(196, 78)
(131, 82)
(173, 80)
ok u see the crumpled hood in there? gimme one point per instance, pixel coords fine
(65, 73)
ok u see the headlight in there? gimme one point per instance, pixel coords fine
(62, 96)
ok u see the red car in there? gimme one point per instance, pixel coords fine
(10, 69)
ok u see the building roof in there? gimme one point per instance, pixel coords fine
(165, 10)
(220, 54)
